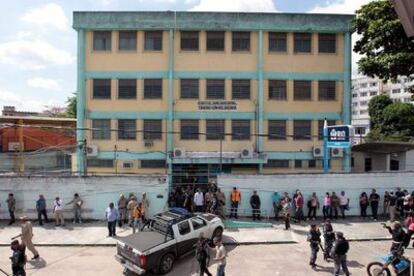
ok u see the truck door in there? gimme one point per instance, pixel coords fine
(200, 226)
(185, 238)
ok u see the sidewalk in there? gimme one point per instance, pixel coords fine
(94, 233)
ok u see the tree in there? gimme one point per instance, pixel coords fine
(386, 50)
(376, 108)
(54, 111)
(70, 111)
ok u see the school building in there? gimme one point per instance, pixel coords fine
(192, 94)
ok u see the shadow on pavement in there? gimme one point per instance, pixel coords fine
(37, 264)
(355, 264)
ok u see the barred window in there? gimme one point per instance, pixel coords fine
(215, 129)
(277, 129)
(240, 129)
(127, 129)
(101, 129)
(189, 129)
(127, 89)
(127, 40)
(153, 89)
(298, 164)
(241, 41)
(102, 41)
(240, 89)
(153, 41)
(277, 42)
(327, 90)
(302, 130)
(153, 164)
(215, 41)
(189, 41)
(100, 163)
(303, 43)
(101, 88)
(302, 90)
(277, 90)
(275, 163)
(215, 89)
(320, 127)
(312, 163)
(189, 88)
(327, 43)
(152, 129)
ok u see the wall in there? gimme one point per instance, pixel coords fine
(352, 184)
(96, 192)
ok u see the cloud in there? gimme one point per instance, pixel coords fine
(24, 103)
(339, 6)
(33, 54)
(50, 15)
(44, 83)
(235, 5)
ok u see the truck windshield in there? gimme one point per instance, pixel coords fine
(162, 227)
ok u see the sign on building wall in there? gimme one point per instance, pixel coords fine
(217, 105)
(340, 136)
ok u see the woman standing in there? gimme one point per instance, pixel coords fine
(363, 204)
(327, 207)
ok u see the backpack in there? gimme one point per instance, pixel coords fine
(342, 247)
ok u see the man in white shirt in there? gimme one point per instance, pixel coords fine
(199, 201)
(58, 210)
(343, 203)
(220, 256)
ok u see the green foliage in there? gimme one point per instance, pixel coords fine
(376, 107)
(70, 111)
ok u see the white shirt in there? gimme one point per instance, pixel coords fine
(58, 205)
(343, 200)
(220, 252)
(199, 199)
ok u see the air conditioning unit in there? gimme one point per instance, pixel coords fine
(179, 153)
(246, 153)
(317, 151)
(14, 146)
(127, 165)
(337, 152)
(91, 150)
(148, 143)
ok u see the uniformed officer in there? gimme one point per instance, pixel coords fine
(314, 238)
(329, 238)
(339, 250)
(27, 235)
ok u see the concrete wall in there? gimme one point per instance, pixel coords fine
(352, 184)
(96, 192)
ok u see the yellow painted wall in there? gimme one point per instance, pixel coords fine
(336, 166)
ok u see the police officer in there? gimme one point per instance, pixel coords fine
(339, 250)
(314, 238)
(202, 255)
(398, 235)
(329, 238)
(18, 258)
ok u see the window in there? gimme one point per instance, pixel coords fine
(362, 112)
(303, 43)
(215, 41)
(277, 90)
(312, 164)
(360, 130)
(274, 163)
(152, 129)
(302, 130)
(197, 223)
(364, 85)
(153, 164)
(127, 129)
(102, 41)
(364, 94)
(215, 89)
(100, 163)
(241, 41)
(302, 90)
(368, 164)
(240, 89)
(127, 40)
(354, 95)
(373, 84)
(298, 164)
(101, 129)
(153, 89)
(277, 129)
(363, 103)
(189, 41)
(394, 165)
(327, 90)
(102, 89)
(373, 93)
(355, 104)
(215, 129)
(153, 41)
(277, 42)
(395, 91)
(327, 43)
(240, 129)
(184, 228)
(127, 89)
(189, 88)
(189, 129)
(320, 127)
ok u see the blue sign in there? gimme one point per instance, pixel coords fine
(339, 136)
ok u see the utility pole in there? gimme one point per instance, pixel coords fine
(325, 148)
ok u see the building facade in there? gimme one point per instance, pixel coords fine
(191, 94)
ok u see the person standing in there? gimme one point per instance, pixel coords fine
(220, 256)
(132, 203)
(213, 205)
(339, 250)
(327, 210)
(397, 233)
(400, 202)
(392, 208)
(235, 197)
(374, 202)
(58, 211)
(18, 258)
(199, 201)
(334, 205)
(138, 214)
(277, 204)
(77, 208)
(188, 199)
(202, 255)
(314, 239)
(41, 210)
(329, 238)
(122, 209)
(386, 203)
(208, 200)
(343, 203)
(299, 201)
(11, 205)
(221, 202)
(111, 215)
(255, 204)
(26, 236)
(145, 206)
(286, 203)
(313, 206)
(363, 204)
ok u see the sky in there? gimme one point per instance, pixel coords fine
(38, 44)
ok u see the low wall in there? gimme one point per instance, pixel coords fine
(352, 184)
(96, 192)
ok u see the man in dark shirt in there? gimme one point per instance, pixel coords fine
(392, 206)
(329, 238)
(339, 251)
(374, 201)
(398, 235)
(255, 204)
(314, 238)
(400, 201)
(18, 258)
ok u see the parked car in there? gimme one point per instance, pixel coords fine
(165, 238)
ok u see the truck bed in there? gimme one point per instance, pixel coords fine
(144, 240)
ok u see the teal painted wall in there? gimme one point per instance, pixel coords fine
(346, 109)
(80, 102)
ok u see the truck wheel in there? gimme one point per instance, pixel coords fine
(166, 263)
(218, 232)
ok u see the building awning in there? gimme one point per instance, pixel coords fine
(383, 147)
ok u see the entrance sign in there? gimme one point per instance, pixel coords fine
(339, 136)
(217, 105)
